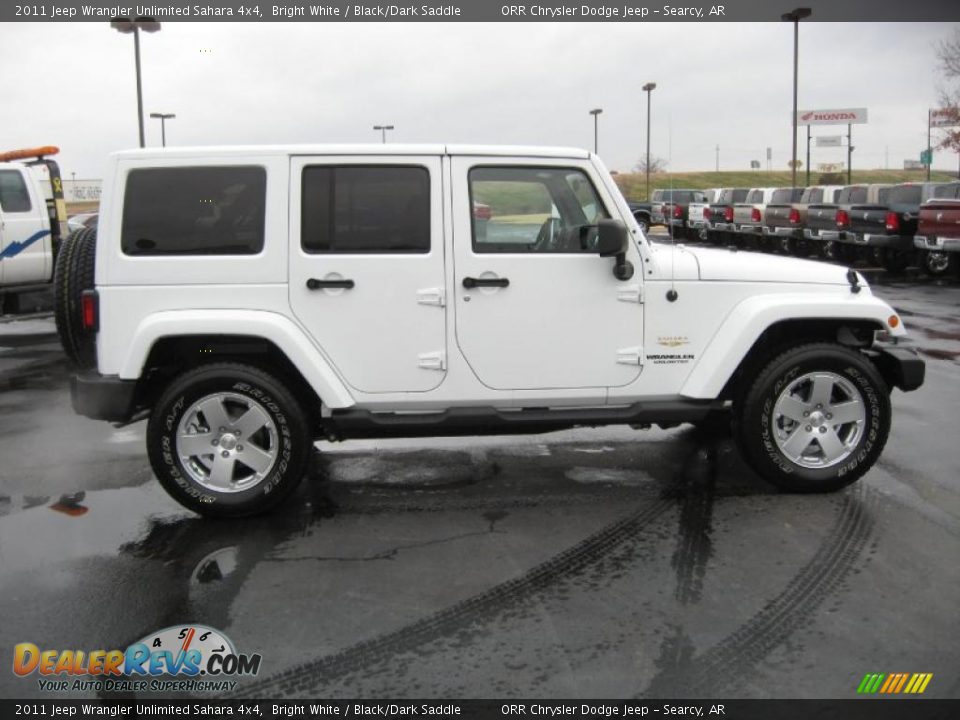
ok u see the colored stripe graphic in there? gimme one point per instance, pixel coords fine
(894, 683)
(16, 247)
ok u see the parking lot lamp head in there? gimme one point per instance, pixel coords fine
(126, 26)
(595, 112)
(795, 16)
(163, 117)
(383, 131)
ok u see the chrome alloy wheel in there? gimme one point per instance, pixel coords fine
(818, 419)
(227, 442)
(937, 262)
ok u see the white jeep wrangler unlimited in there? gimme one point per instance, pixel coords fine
(249, 301)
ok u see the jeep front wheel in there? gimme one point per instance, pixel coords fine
(815, 420)
(228, 440)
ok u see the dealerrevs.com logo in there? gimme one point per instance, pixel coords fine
(184, 658)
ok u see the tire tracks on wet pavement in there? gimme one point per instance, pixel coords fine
(725, 666)
(305, 679)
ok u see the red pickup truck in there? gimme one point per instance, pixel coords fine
(938, 234)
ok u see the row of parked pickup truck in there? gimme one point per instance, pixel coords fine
(896, 226)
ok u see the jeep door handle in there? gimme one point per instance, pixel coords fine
(469, 283)
(314, 284)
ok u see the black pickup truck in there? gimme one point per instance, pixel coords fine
(720, 225)
(888, 229)
(821, 228)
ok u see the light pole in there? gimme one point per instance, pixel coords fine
(383, 131)
(126, 26)
(795, 16)
(595, 112)
(648, 88)
(163, 117)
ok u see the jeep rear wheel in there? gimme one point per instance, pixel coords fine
(228, 440)
(815, 420)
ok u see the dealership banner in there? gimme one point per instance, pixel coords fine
(632, 11)
(945, 117)
(842, 116)
(829, 141)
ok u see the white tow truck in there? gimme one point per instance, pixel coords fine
(32, 221)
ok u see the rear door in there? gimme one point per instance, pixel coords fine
(367, 267)
(536, 308)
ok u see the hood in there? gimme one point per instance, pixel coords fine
(730, 265)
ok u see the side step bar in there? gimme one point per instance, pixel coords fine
(351, 423)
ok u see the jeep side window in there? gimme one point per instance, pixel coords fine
(212, 210)
(365, 209)
(543, 210)
(13, 192)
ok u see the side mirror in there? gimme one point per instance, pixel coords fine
(612, 242)
(611, 238)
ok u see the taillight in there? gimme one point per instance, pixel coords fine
(90, 310)
(677, 212)
(893, 222)
(706, 213)
(728, 214)
(843, 218)
(755, 215)
(794, 216)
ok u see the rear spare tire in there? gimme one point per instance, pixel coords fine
(73, 273)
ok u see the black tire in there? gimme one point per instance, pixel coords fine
(644, 224)
(896, 261)
(845, 253)
(800, 247)
(73, 273)
(937, 263)
(759, 435)
(285, 437)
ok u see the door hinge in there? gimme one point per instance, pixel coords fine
(432, 360)
(630, 356)
(432, 296)
(630, 293)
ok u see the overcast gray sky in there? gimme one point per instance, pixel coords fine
(73, 85)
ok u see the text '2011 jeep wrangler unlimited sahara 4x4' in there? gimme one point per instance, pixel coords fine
(249, 301)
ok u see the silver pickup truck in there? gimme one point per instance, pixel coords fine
(748, 217)
(696, 217)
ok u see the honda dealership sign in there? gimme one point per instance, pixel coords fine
(846, 116)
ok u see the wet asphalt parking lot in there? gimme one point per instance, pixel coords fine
(589, 564)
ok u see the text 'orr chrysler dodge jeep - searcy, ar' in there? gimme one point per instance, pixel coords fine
(249, 301)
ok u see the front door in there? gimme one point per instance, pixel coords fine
(24, 234)
(537, 307)
(367, 267)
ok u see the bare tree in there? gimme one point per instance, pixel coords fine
(657, 164)
(948, 57)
